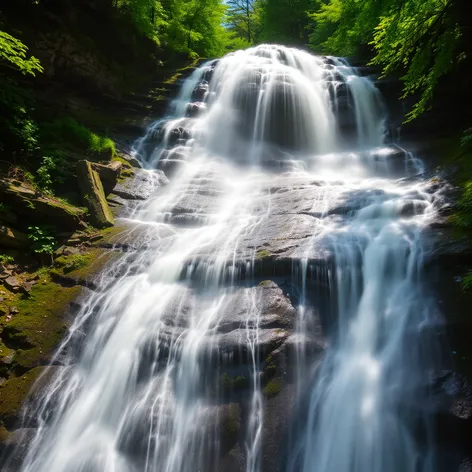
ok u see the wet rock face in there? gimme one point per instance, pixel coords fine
(453, 420)
(226, 369)
(226, 344)
(140, 186)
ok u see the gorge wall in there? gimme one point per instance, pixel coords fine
(282, 294)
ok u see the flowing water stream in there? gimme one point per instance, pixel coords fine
(272, 166)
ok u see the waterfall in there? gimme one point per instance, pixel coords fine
(273, 316)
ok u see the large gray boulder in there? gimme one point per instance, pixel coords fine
(93, 195)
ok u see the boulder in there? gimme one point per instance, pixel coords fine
(37, 207)
(141, 185)
(13, 239)
(200, 91)
(109, 174)
(194, 109)
(12, 283)
(93, 195)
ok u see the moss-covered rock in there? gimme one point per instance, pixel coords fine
(273, 387)
(230, 424)
(3, 434)
(13, 392)
(93, 195)
(270, 366)
(35, 331)
(38, 207)
(228, 383)
(6, 358)
(266, 283)
(263, 253)
(81, 269)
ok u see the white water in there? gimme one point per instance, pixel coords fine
(143, 390)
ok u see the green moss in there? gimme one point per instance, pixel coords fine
(273, 388)
(122, 232)
(174, 78)
(24, 196)
(13, 392)
(226, 381)
(73, 263)
(6, 354)
(125, 163)
(261, 254)
(229, 383)
(4, 434)
(125, 174)
(84, 267)
(265, 283)
(184, 70)
(270, 366)
(67, 207)
(230, 424)
(240, 383)
(37, 328)
(6, 259)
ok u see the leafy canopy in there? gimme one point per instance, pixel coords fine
(194, 27)
(422, 38)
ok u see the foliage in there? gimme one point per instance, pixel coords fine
(51, 172)
(42, 240)
(5, 259)
(422, 39)
(69, 132)
(467, 281)
(284, 21)
(193, 27)
(463, 216)
(466, 141)
(242, 22)
(75, 262)
(13, 54)
(24, 130)
(16, 125)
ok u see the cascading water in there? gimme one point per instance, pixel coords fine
(276, 171)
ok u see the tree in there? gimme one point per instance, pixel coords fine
(14, 57)
(185, 26)
(241, 19)
(422, 39)
(284, 21)
(15, 121)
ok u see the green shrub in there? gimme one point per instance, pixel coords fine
(51, 172)
(42, 240)
(70, 133)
